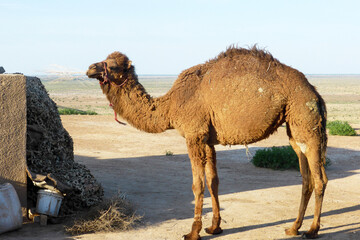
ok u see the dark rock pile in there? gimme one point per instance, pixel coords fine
(49, 150)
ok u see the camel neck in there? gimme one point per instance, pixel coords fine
(139, 109)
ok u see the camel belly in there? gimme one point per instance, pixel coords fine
(238, 121)
(230, 130)
(244, 132)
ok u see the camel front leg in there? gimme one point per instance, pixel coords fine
(212, 181)
(198, 160)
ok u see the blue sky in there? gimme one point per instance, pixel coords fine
(166, 37)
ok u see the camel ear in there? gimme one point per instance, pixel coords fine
(129, 64)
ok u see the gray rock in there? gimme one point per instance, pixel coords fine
(2, 70)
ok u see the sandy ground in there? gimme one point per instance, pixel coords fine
(255, 203)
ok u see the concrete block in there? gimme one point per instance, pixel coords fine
(13, 133)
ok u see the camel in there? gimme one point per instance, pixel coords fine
(240, 97)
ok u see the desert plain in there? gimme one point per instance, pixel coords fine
(256, 203)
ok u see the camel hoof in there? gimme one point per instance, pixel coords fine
(215, 231)
(291, 232)
(309, 235)
(191, 237)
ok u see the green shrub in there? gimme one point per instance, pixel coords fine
(340, 128)
(278, 158)
(169, 153)
(71, 111)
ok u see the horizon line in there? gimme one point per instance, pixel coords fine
(160, 74)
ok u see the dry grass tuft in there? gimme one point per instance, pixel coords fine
(115, 214)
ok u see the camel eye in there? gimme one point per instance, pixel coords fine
(114, 68)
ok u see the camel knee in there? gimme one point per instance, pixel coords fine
(324, 176)
(213, 183)
(308, 185)
(198, 189)
(307, 191)
(320, 187)
(320, 182)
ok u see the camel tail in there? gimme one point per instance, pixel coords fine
(323, 135)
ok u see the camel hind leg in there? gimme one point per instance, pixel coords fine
(212, 181)
(310, 156)
(320, 180)
(307, 188)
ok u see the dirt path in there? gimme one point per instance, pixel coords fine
(255, 203)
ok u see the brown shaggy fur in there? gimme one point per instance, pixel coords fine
(239, 97)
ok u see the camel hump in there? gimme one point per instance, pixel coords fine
(254, 51)
(234, 62)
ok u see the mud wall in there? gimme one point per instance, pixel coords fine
(13, 133)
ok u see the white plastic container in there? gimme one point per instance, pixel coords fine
(48, 202)
(10, 209)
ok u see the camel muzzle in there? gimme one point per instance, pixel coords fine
(94, 71)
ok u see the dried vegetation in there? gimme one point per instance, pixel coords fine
(115, 214)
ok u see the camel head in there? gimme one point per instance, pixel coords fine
(115, 69)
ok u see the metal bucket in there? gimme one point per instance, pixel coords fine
(48, 202)
(10, 209)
